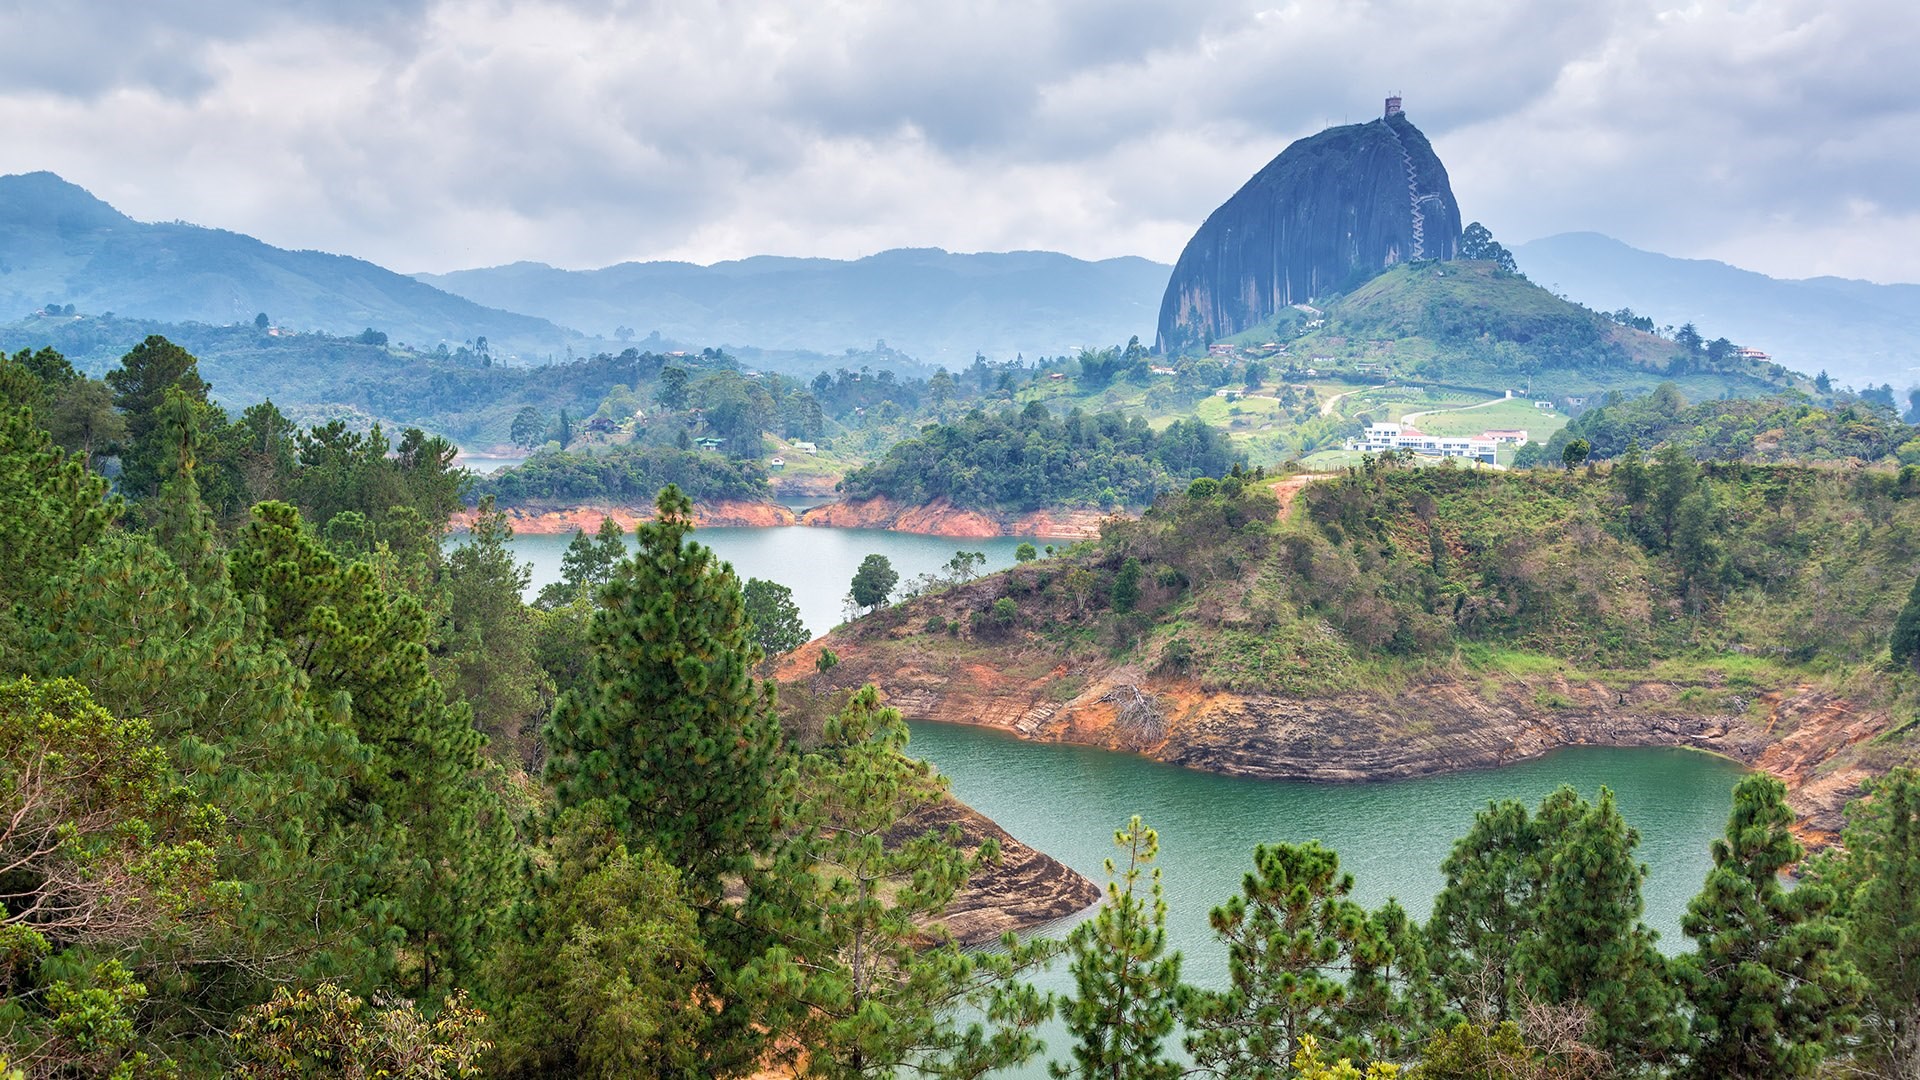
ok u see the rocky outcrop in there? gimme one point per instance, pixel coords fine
(720, 514)
(1024, 889)
(1808, 737)
(1331, 211)
(941, 518)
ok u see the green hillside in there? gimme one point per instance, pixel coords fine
(1465, 323)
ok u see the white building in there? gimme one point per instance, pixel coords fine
(1383, 437)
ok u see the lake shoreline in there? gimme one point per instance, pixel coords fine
(1803, 735)
(939, 518)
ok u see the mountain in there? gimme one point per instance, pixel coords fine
(1858, 331)
(931, 304)
(1331, 211)
(61, 245)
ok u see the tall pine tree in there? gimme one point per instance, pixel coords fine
(1126, 986)
(671, 731)
(1767, 988)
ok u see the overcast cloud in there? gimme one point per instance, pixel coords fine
(1781, 135)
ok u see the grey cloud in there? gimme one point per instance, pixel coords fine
(443, 132)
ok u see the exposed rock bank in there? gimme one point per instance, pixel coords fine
(941, 518)
(1025, 889)
(1809, 738)
(722, 514)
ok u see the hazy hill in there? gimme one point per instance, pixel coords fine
(1858, 331)
(61, 245)
(935, 305)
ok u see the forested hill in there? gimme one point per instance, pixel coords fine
(940, 307)
(1785, 429)
(60, 245)
(1030, 460)
(460, 392)
(1468, 322)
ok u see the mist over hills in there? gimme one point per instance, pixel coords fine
(1860, 332)
(938, 306)
(61, 245)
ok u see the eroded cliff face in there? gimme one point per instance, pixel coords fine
(1330, 211)
(1810, 738)
(720, 514)
(1025, 889)
(941, 518)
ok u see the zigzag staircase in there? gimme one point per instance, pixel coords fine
(1414, 198)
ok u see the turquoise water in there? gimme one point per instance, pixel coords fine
(1068, 800)
(1391, 836)
(816, 563)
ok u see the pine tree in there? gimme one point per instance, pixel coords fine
(1767, 988)
(140, 386)
(1290, 937)
(1588, 945)
(1878, 882)
(1904, 643)
(1487, 905)
(886, 983)
(672, 731)
(1126, 986)
(489, 638)
(425, 803)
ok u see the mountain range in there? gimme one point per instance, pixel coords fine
(61, 245)
(941, 307)
(1859, 332)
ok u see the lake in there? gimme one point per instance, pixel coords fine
(1068, 800)
(816, 563)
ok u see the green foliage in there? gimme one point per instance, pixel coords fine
(1025, 553)
(1293, 940)
(140, 386)
(489, 642)
(103, 843)
(1877, 882)
(873, 582)
(1783, 428)
(602, 977)
(776, 620)
(885, 983)
(1768, 991)
(1477, 242)
(624, 475)
(329, 1033)
(1028, 460)
(1587, 945)
(53, 510)
(365, 648)
(1125, 594)
(672, 732)
(587, 565)
(1904, 642)
(1126, 987)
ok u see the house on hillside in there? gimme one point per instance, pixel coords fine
(806, 448)
(1380, 438)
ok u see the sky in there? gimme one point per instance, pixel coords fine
(1779, 135)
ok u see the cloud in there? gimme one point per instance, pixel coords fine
(449, 133)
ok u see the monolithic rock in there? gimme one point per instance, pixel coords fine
(1331, 211)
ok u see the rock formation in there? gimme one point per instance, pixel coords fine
(1331, 211)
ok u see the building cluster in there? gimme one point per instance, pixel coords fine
(1482, 447)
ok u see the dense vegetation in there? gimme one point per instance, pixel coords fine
(290, 790)
(1791, 428)
(1028, 460)
(1471, 324)
(624, 476)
